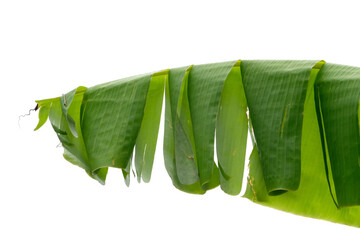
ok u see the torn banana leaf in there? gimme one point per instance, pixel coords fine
(275, 92)
(172, 93)
(312, 198)
(108, 118)
(192, 102)
(304, 120)
(205, 85)
(338, 93)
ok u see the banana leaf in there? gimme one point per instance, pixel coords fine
(303, 117)
(337, 89)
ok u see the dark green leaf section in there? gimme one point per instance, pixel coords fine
(111, 118)
(275, 92)
(173, 86)
(185, 152)
(205, 86)
(146, 140)
(312, 198)
(190, 120)
(338, 90)
(94, 140)
(231, 132)
(359, 127)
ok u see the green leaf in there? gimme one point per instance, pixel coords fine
(359, 120)
(58, 130)
(256, 188)
(111, 118)
(204, 90)
(275, 93)
(146, 140)
(172, 92)
(66, 101)
(126, 172)
(74, 147)
(185, 152)
(231, 132)
(43, 115)
(338, 90)
(312, 198)
(328, 172)
(304, 123)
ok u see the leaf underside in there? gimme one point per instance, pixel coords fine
(305, 126)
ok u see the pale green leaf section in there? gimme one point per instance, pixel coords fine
(231, 132)
(147, 138)
(126, 172)
(43, 115)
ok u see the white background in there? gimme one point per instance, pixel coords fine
(50, 47)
